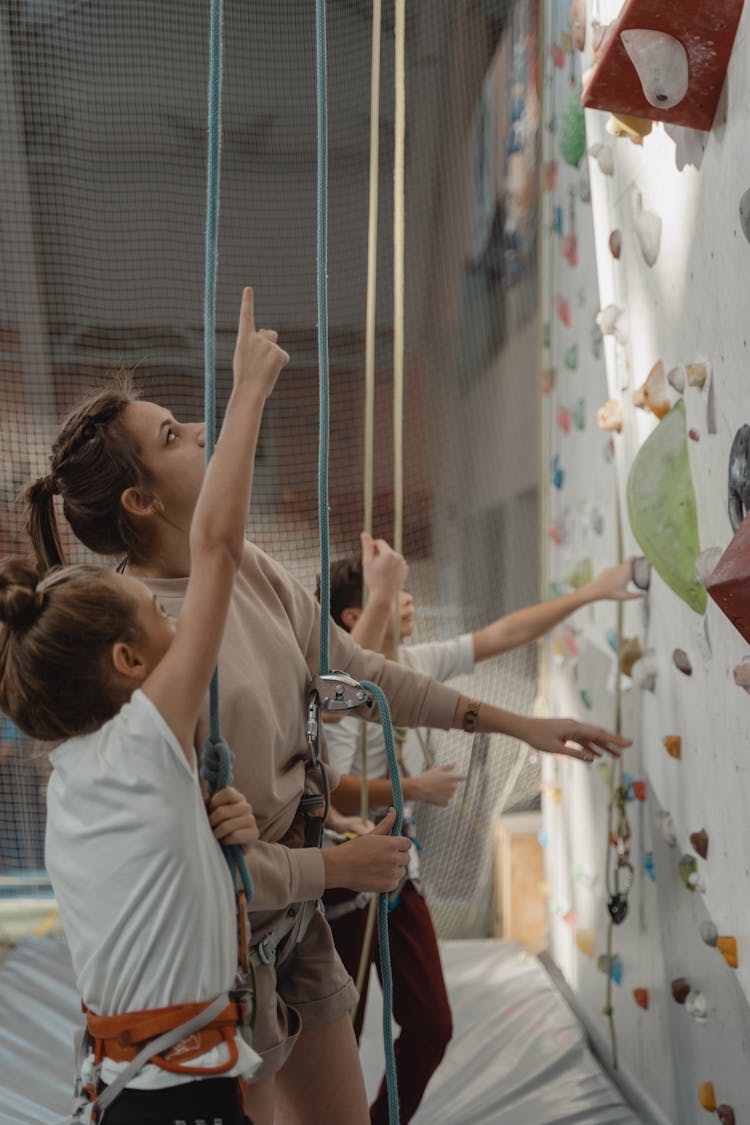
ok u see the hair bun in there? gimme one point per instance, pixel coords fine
(20, 604)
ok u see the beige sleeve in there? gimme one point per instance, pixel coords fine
(415, 700)
(281, 875)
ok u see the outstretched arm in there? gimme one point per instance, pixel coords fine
(525, 625)
(435, 787)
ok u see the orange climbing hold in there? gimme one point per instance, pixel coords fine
(702, 33)
(706, 1096)
(640, 995)
(653, 395)
(673, 745)
(585, 942)
(728, 946)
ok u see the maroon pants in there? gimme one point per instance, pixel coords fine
(420, 1002)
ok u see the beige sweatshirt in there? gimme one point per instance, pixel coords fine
(270, 652)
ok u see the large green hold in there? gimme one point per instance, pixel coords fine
(661, 507)
(573, 129)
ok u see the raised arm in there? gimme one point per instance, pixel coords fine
(525, 625)
(178, 684)
(384, 572)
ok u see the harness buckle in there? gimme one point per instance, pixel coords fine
(266, 949)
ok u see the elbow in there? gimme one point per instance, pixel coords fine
(221, 548)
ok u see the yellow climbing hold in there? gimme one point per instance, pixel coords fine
(706, 1096)
(728, 946)
(673, 745)
(585, 942)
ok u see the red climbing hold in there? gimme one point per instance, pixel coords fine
(699, 840)
(728, 585)
(640, 995)
(640, 790)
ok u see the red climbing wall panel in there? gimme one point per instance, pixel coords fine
(729, 585)
(706, 31)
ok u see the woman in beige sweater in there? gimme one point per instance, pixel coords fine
(129, 474)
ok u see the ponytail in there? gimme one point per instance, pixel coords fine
(41, 523)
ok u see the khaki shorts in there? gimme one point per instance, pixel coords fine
(313, 989)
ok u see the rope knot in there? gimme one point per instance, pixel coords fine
(216, 763)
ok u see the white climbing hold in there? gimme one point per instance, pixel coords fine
(604, 157)
(647, 230)
(662, 65)
(696, 1005)
(666, 827)
(611, 322)
(644, 671)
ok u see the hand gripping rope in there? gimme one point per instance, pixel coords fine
(317, 696)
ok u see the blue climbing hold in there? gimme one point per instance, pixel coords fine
(647, 862)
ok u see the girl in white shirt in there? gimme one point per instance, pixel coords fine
(147, 901)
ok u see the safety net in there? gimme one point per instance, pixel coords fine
(103, 133)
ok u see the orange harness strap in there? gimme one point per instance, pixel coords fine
(121, 1038)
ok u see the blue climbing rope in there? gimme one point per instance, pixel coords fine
(325, 594)
(216, 760)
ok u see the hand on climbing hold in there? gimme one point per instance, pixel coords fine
(383, 569)
(231, 818)
(373, 862)
(435, 786)
(258, 359)
(573, 739)
(613, 583)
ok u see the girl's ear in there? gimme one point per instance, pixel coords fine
(138, 503)
(127, 661)
(350, 617)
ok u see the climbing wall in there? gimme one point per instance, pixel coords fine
(643, 372)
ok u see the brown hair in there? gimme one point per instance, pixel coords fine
(93, 461)
(347, 586)
(56, 636)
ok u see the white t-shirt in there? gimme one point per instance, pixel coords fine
(144, 891)
(441, 660)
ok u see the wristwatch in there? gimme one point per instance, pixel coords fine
(471, 716)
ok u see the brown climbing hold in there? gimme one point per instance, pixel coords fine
(640, 995)
(615, 244)
(728, 946)
(673, 745)
(741, 675)
(682, 661)
(699, 840)
(631, 652)
(725, 1113)
(706, 1096)
(680, 990)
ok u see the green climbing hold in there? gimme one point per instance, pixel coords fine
(573, 129)
(586, 699)
(579, 414)
(571, 357)
(661, 507)
(581, 575)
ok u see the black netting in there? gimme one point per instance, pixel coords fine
(102, 206)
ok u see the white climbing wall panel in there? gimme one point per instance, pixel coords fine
(690, 306)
